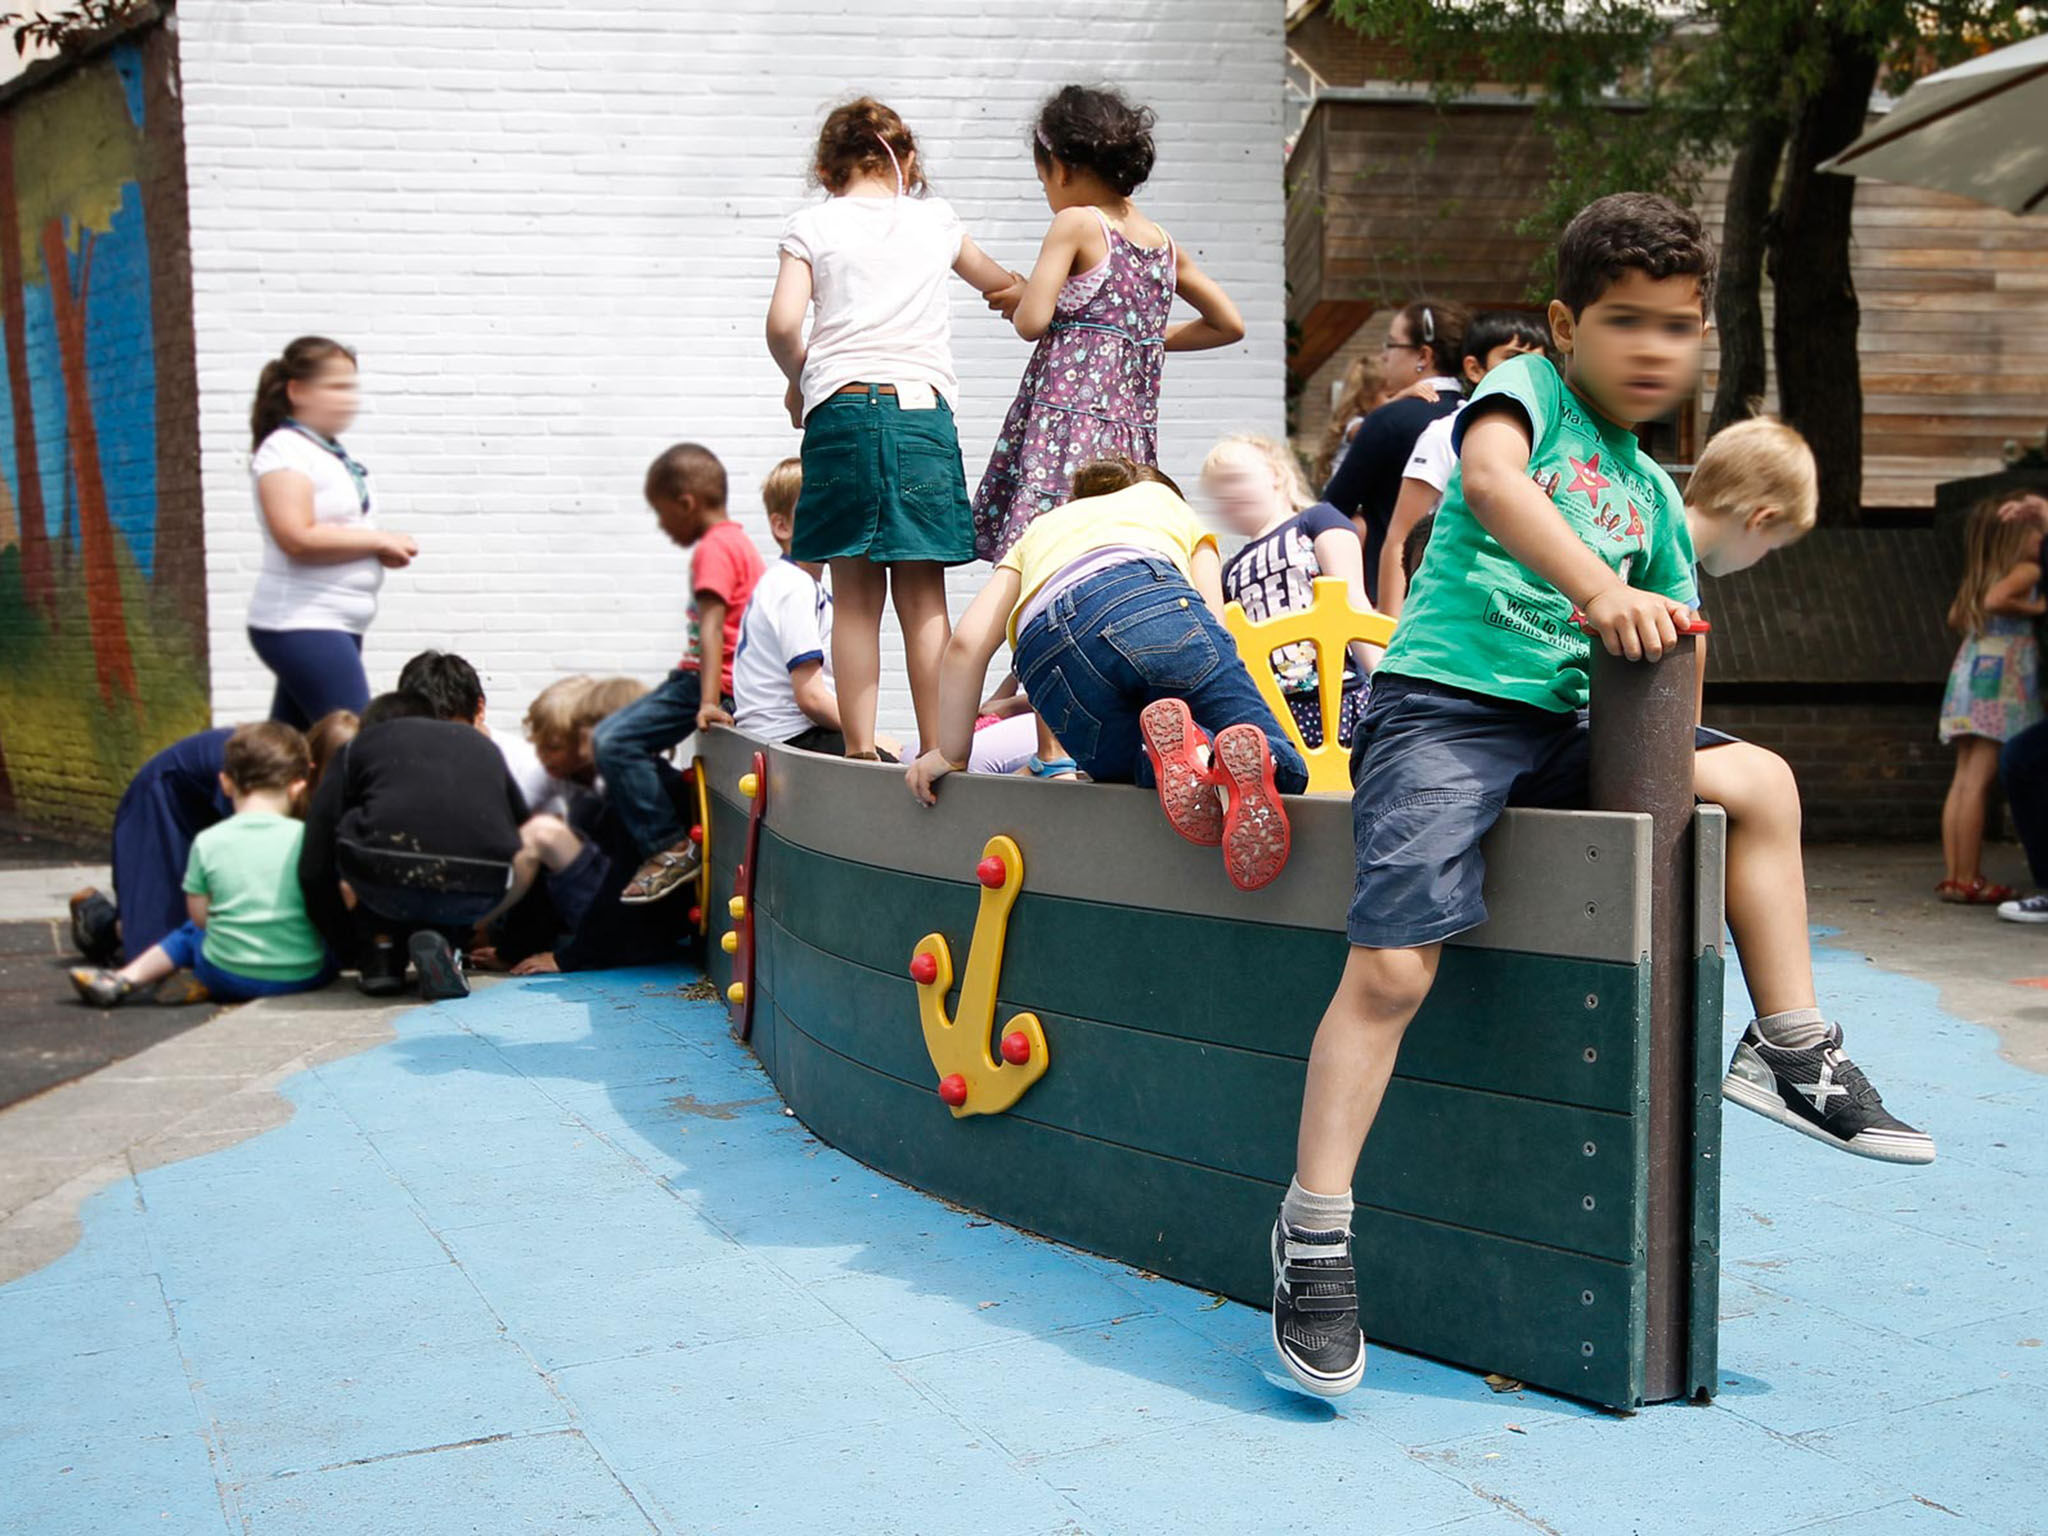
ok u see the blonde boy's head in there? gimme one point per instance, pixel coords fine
(563, 716)
(1758, 466)
(780, 488)
(554, 717)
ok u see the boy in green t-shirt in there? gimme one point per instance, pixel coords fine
(1555, 511)
(249, 935)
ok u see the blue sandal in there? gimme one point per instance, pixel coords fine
(1041, 769)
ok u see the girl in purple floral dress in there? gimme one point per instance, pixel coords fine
(1096, 303)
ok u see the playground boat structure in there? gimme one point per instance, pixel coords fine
(1038, 1002)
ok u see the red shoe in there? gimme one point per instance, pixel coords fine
(1256, 836)
(1187, 793)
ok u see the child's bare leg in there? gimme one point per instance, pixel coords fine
(545, 842)
(152, 965)
(1790, 1064)
(919, 589)
(1969, 795)
(1766, 871)
(1049, 748)
(859, 588)
(1353, 1057)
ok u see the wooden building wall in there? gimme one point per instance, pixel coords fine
(1392, 198)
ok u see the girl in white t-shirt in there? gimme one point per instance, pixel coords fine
(323, 554)
(884, 498)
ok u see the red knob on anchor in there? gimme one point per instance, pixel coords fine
(696, 917)
(992, 872)
(924, 969)
(696, 834)
(1016, 1047)
(953, 1089)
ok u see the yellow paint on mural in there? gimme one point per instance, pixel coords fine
(76, 150)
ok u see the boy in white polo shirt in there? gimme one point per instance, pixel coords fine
(782, 671)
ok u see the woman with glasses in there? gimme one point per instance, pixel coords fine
(1421, 355)
(324, 556)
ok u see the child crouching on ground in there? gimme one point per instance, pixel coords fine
(1112, 605)
(1478, 705)
(248, 934)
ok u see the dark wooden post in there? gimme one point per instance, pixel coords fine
(1642, 749)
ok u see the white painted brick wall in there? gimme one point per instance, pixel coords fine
(550, 231)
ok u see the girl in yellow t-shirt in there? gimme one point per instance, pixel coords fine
(1112, 606)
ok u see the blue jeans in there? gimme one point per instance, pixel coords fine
(1113, 643)
(185, 946)
(628, 744)
(318, 671)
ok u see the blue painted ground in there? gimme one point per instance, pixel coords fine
(555, 1260)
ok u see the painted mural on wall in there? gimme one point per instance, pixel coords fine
(102, 575)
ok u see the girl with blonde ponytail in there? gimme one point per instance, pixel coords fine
(324, 556)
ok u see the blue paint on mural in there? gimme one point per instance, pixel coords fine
(128, 65)
(120, 359)
(46, 392)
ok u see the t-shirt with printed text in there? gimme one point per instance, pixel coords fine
(1475, 617)
(1275, 573)
(725, 564)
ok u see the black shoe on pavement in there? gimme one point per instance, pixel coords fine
(383, 968)
(1821, 1093)
(439, 971)
(1315, 1310)
(95, 926)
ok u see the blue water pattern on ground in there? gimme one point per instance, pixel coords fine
(555, 1260)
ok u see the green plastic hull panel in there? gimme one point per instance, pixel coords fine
(1501, 1198)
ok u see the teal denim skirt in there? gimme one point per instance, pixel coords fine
(882, 483)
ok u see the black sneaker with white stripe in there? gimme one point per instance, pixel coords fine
(1315, 1309)
(1821, 1093)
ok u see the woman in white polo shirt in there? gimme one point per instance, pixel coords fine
(324, 556)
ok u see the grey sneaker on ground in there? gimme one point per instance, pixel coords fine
(1315, 1309)
(103, 989)
(2028, 909)
(1820, 1092)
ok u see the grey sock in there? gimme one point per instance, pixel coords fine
(1794, 1029)
(1310, 1212)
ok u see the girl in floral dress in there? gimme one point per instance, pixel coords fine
(1992, 693)
(1096, 304)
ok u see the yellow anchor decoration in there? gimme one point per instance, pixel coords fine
(971, 1080)
(1330, 624)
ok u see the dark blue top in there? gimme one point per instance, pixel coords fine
(1367, 480)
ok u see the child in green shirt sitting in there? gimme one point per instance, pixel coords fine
(1480, 704)
(249, 935)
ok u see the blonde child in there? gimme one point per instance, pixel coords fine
(1112, 606)
(782, 676)
(248, 935)
(565, 715)
(1991, 693)
(1291, 539)
(1362, 391)
(1096, 304)
(884, 500)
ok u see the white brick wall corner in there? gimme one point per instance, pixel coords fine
(549, 230)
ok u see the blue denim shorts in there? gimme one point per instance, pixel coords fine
(1432, 769)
